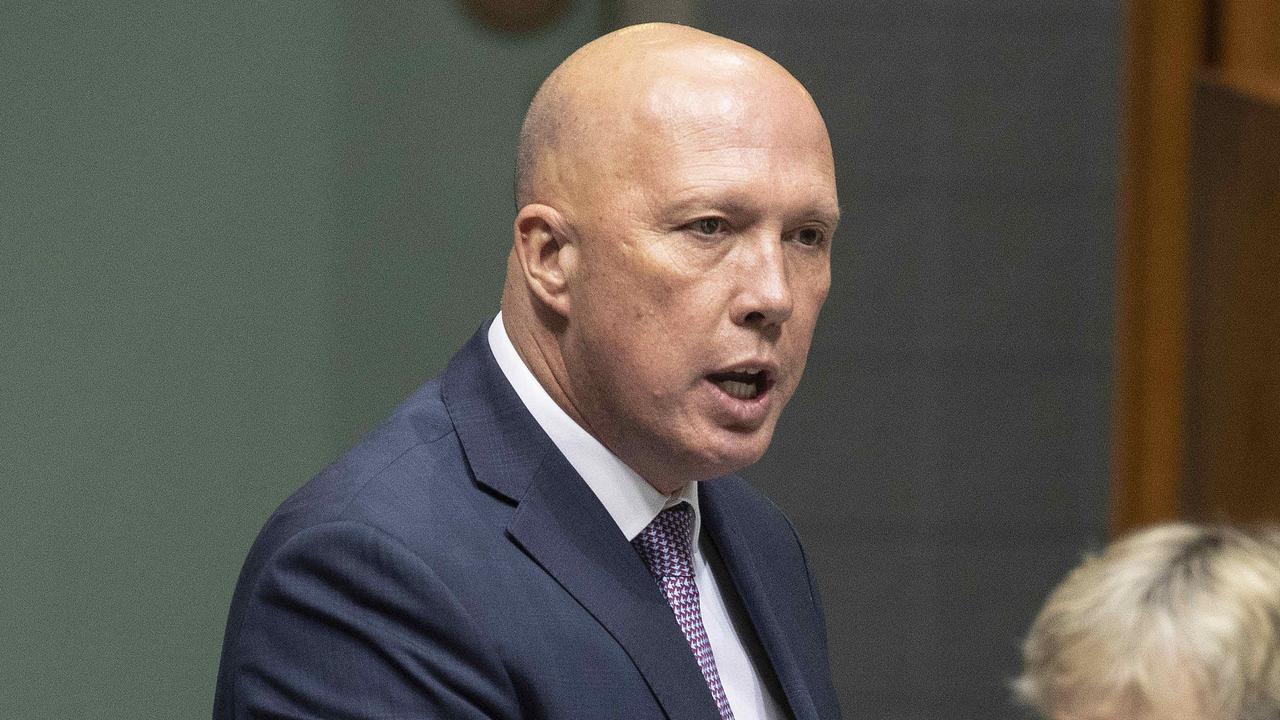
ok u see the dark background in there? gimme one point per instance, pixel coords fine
(233, 235)
(946, 457)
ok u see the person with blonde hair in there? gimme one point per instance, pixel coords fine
(1175, 622)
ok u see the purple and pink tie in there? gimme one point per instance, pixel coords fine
(667, 548)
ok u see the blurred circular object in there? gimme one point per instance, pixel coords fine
(515, 16)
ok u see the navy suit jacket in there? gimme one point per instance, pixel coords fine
(454, 565)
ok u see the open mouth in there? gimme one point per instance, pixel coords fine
(742, 384)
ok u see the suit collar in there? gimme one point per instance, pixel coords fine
(631, 501)
(753, 583)
(564, 528)
(503, 443)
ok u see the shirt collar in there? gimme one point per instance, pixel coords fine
(631, 501)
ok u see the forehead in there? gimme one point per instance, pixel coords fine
(689, 137)
(760, 103)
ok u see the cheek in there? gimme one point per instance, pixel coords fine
(818, 284)
(665, 314)
(804, 318)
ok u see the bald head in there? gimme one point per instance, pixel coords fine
(600, 97)
(671, 252)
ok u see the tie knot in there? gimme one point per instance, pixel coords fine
(667, 543)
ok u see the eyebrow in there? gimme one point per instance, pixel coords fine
(829, 213)
(734, 205)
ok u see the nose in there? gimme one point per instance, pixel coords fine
(763, 298)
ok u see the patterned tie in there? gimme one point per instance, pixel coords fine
(667, 548)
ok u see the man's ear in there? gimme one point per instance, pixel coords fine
(547, 255)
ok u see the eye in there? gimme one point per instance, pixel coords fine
(708, 226)
(809, 236)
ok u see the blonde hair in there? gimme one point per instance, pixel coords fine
(1172, 615)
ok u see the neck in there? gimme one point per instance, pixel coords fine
(539, 349)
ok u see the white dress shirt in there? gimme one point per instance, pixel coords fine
(633, 503)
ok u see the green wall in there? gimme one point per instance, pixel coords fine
(232, 235)
(426, 186)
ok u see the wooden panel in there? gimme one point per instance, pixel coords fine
(1248, 40)
(1165, 45)
(1233, 378)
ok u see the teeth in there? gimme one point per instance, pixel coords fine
(739, 390)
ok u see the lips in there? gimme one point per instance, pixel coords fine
(744, 383)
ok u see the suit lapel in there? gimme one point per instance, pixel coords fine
(749, 579)
(561, 525)
(568, 532)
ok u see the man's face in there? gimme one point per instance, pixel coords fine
(703, 258)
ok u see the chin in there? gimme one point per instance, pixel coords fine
(734, 455)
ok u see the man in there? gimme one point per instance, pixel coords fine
(550, 530)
